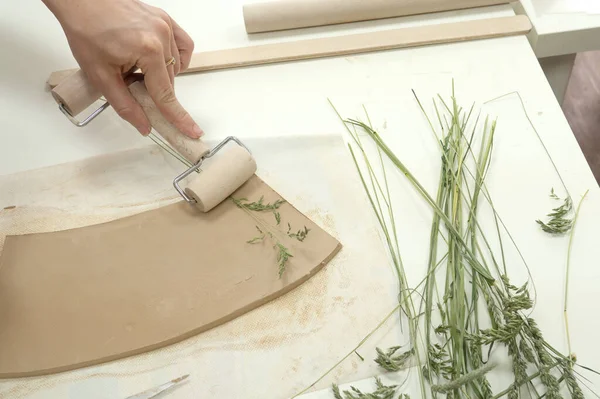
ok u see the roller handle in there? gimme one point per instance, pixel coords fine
(76, 93)
(191, 149)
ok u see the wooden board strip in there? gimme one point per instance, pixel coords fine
(274, 15)
(349, 44)
(360, 43)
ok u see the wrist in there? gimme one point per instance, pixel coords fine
(54, 6)
(63, 8)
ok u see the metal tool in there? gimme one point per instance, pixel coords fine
(215, 182)
(154, 392)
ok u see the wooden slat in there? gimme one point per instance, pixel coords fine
(360, 43)
(350, 44)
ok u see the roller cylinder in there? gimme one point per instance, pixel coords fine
(221, 175)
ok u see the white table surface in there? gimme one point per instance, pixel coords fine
(291, 100)
(563, 26)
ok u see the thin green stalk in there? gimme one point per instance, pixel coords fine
(568, 270)
(377, 208)
(433, 244)
(380, 217)
(381, 144)
(497, 217)
(536, 133)
(453, 139)
(528, 379)
(362, 341)
(468, 276)
(409, 309)
(469, 150)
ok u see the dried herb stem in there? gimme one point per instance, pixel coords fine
(559, 223)
(381, 392)
(567, 273)
(475, 275)
(283, 253)
(353, 350)
(536, 133)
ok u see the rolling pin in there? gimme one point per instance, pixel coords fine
(274, 15)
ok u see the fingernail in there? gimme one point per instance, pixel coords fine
(144, 130)
(197, 131)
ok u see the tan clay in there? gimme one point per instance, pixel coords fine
(80, 297)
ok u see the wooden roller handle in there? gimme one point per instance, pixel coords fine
(191, 149)
(75, 93)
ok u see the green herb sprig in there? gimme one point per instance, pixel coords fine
(258, 206)
(283, 253)
(558, 222)
(389, 361)
(381, 392)
(300, 235)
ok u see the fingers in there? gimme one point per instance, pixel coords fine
(114, 89)
(134, 77)
(170, 49)
(175, 53)
(185, 45)
(161, 90)
(171, 72)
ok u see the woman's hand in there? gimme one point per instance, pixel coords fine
(112, 37)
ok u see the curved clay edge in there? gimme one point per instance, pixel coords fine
(251, 306)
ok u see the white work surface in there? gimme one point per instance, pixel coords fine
(563, 26)
(283, 347)
(561, 29)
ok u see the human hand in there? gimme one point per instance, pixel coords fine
(113, 37)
